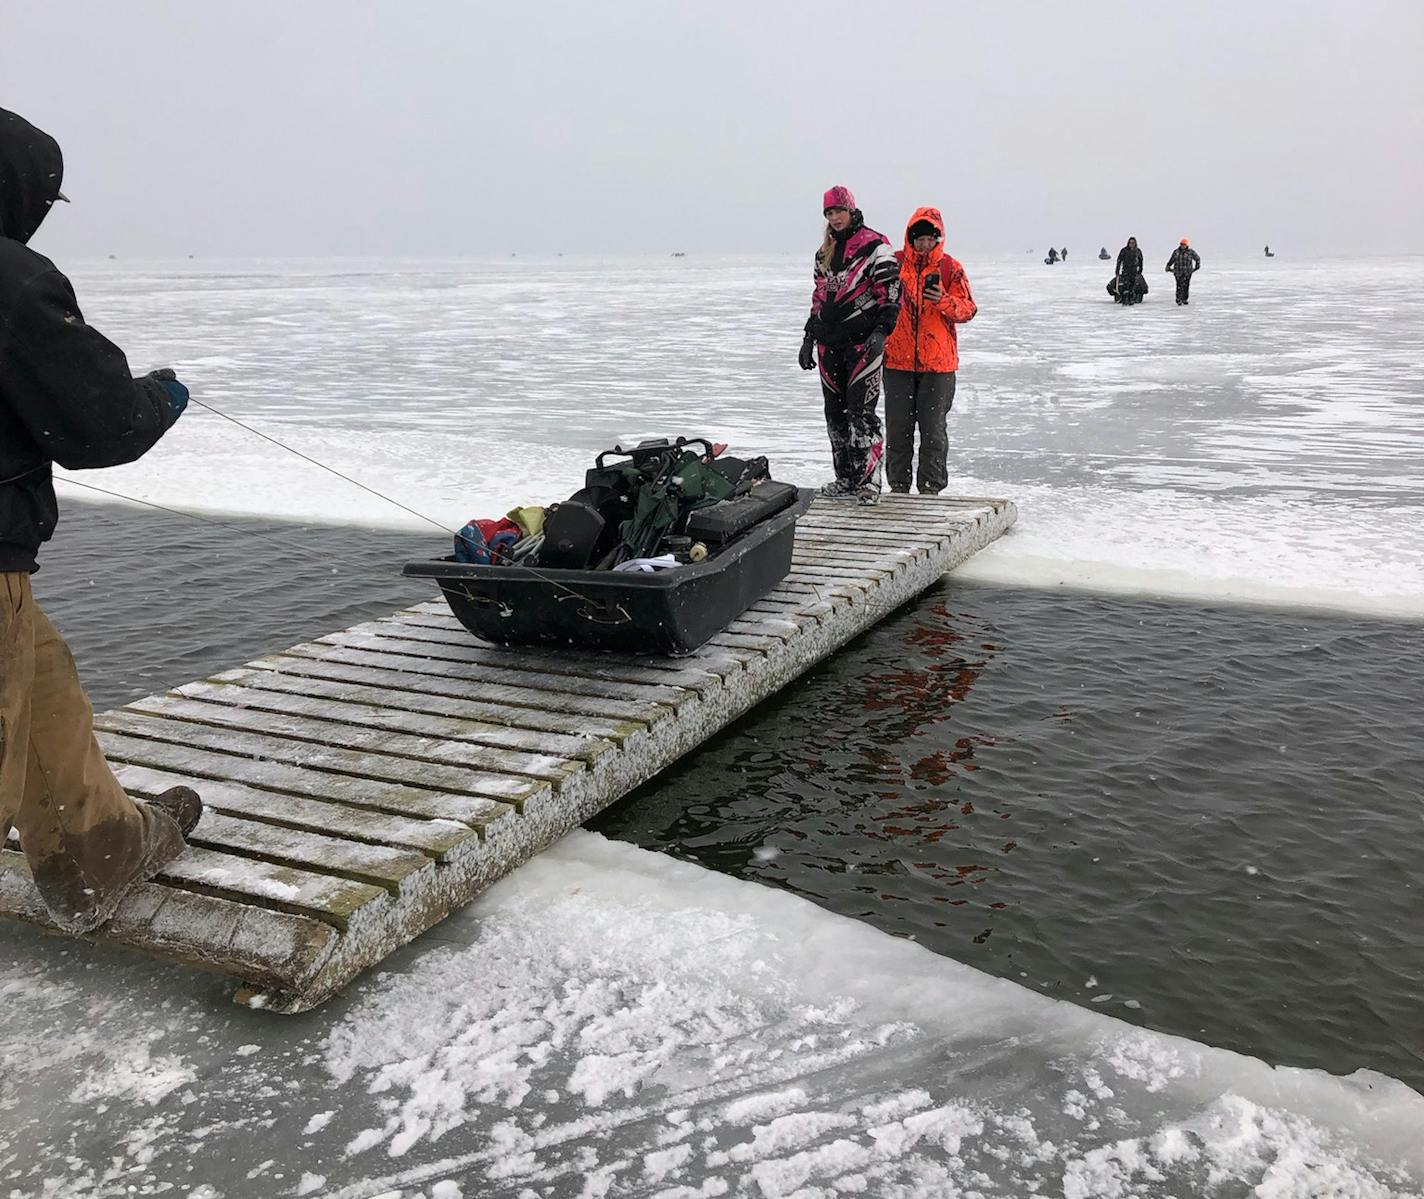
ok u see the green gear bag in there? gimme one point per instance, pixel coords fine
(663, 503)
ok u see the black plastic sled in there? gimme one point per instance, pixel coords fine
(1128, 295)
(669, 612)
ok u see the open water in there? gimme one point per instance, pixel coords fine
(1204, 820)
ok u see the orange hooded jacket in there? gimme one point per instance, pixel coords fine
(924, 338)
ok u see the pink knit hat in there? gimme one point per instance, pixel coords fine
(838, 197)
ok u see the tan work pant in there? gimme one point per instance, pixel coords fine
(87, 842)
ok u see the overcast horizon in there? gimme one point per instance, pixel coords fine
(374, 129)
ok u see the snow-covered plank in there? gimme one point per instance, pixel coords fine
(882, 528)
(194, 764)
(788, 606)
(933, 525)
(269, 748)
(897, 535)
(436, 615)
(323, 730)
(261, 883)
(433, 619)
(436, 838)
(808, 611)
(376, 865)
(856, 556)
(487, 723)
(267, 948)
(477, 699)
(417, 638)
(545, 672)
(791, 586)
(480, 662)
(550, 700)
(757, 641)
(765, 626)
(264, 884)
(817, 567)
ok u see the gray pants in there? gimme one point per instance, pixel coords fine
(922, 400)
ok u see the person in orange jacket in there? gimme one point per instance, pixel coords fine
(922, 355)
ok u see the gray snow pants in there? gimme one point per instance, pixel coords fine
(920, 400)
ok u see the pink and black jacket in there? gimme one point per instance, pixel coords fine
(858, 292)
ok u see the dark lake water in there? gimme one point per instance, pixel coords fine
(1204, 820)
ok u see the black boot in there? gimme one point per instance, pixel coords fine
(183, 804)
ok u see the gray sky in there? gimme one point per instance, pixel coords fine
(298, 127)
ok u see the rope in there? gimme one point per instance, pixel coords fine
(329, 469)
(543, 578)
(246, 529)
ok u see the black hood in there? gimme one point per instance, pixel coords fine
(31, 172)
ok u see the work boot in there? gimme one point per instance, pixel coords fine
(183, 804)
(837, 489)
(899, 491)
(867, 495)
(84, 883)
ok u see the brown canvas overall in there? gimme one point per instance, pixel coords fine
(86, 841)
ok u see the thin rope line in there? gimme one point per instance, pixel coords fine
(207, 520)
(329, 469)
(404, 508)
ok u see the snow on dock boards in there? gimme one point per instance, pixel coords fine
(361, 786)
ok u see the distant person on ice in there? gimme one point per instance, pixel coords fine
(1064, 254)
(1268, 252)
(1128, 285)
(854, 303)
(922, 355)
(1052, 256)
(66, 396)
(1184, 263)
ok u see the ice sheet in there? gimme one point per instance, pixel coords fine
(611, 1021)
(1260, 445)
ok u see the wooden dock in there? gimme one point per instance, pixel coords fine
(361, 786)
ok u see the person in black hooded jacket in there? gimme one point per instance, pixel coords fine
(66, 396)
(1129, 284)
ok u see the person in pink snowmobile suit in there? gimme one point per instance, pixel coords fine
(854, 306)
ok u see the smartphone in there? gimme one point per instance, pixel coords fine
(932, 280)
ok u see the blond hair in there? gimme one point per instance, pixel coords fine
(828, 247)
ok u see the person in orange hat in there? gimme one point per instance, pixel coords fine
(1184, 263)
(922, 355)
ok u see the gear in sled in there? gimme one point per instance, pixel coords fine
(663, 546)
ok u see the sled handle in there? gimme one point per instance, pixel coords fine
(640, 453)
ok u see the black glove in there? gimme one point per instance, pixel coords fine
(874, 346)
(807, 357)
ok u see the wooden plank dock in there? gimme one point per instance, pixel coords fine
(361, 786)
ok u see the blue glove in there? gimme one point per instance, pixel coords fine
(177, 393)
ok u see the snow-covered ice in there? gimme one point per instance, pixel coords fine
(609, 1021)
(1261, 445)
